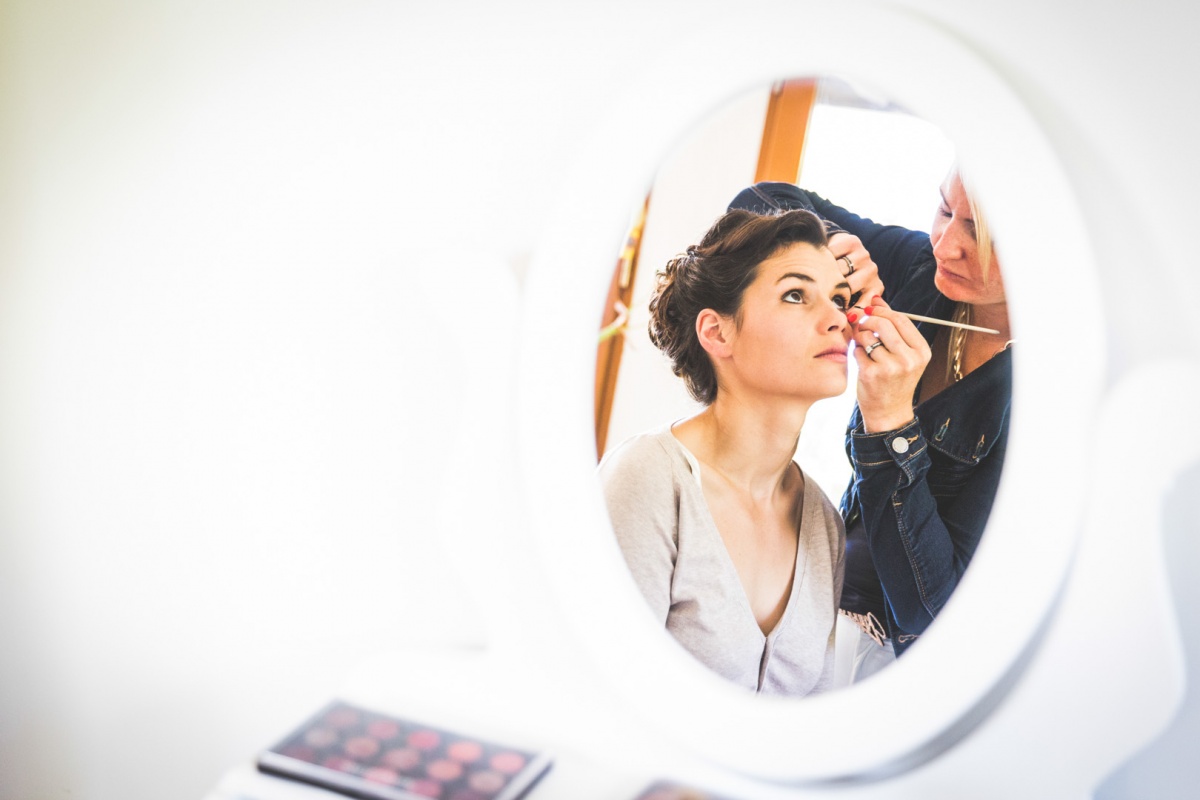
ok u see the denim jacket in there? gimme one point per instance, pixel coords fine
(921, 495)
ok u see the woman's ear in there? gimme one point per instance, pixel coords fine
(715, 333)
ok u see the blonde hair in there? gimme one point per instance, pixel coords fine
(963, 311)
(983, 236)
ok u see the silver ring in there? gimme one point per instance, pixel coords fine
(867, 349)
(849, 264)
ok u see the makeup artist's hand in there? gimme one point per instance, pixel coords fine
(864, 277)
(891, 355)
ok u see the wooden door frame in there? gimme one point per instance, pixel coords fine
(780, 154)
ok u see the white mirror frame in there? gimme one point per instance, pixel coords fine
(964, 665)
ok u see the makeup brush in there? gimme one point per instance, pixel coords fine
(945, 322)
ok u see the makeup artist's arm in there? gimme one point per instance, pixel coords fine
(768, 197)
(642, 501)
(920, 551)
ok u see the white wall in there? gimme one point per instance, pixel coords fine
(692, 189)
(222, 399)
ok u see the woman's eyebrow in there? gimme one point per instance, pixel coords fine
(801, 276)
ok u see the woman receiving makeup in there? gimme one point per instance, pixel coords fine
(928, 435)
(737, 551)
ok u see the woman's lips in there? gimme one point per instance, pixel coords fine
(946, 273)
(833, 354)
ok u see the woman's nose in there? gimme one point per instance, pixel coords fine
(836, 317)
(949, 244)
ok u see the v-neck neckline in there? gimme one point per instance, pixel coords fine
(799, 566)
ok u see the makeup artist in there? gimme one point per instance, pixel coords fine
(739, 553)
(928, 435)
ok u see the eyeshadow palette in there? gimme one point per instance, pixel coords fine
(365, 754)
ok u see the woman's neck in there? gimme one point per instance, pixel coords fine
(752, 448)
(958, 353)
(994, 316)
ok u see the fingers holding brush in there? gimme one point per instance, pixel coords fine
(891, 355)
(856, 265)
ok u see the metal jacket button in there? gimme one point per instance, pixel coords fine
(900, 445)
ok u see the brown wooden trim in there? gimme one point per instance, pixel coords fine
(785, 129)
(788, 111)
(608, 352)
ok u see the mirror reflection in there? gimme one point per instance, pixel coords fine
(803, 387)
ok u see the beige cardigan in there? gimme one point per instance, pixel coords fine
(658, 511)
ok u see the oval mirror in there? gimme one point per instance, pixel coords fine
(864, 154)
(982, 638)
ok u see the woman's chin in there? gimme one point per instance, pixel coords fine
(831, 388)
(953, 286)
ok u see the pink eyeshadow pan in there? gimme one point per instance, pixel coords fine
(361, 747)
(424, 740)
(508, 763)
(444, 770)
(487, 781)
(383, 729)
(402, 758)
(466, 752)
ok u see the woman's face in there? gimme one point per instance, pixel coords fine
(792, 335)
(959, 271)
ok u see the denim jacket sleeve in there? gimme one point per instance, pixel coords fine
(909, 544)
(925, 505)
(895, 250)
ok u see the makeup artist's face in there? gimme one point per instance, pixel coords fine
(792, 337)
(959, 271)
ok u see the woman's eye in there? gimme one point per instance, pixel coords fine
(842, 302)
(794, 296)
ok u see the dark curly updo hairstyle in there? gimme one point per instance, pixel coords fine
(714, 274)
